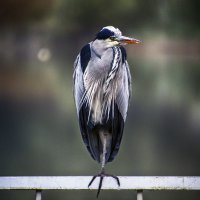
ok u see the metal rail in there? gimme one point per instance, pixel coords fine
(138, 183)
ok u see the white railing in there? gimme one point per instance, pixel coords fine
(138, 183)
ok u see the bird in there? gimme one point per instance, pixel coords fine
(102, 91)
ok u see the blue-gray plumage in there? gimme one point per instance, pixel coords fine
(102, 89)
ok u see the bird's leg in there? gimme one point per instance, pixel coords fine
(102, 173)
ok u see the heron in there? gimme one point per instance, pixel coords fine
(102, 90)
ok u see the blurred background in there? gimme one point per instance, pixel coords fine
(39, 133)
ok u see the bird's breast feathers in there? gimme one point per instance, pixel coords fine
(102, 91)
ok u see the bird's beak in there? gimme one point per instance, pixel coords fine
(127, 40)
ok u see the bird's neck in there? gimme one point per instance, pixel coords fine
(99, 47)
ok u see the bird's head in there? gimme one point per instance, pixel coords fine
(112, 36)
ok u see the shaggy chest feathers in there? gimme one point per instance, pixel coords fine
(101, 80)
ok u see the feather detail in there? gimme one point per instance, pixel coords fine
(102, 99)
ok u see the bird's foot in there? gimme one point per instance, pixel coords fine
(101, 176)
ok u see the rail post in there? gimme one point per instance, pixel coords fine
(38, 195)
(139, 194)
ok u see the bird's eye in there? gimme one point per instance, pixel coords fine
(112, 37)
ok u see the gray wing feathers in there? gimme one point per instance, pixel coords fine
(78, 83)
(124, 91)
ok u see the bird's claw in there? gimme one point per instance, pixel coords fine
(101, 176)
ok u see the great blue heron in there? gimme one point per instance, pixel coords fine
(102, 88)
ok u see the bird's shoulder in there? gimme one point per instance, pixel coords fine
(85, 56)
(123, 52)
